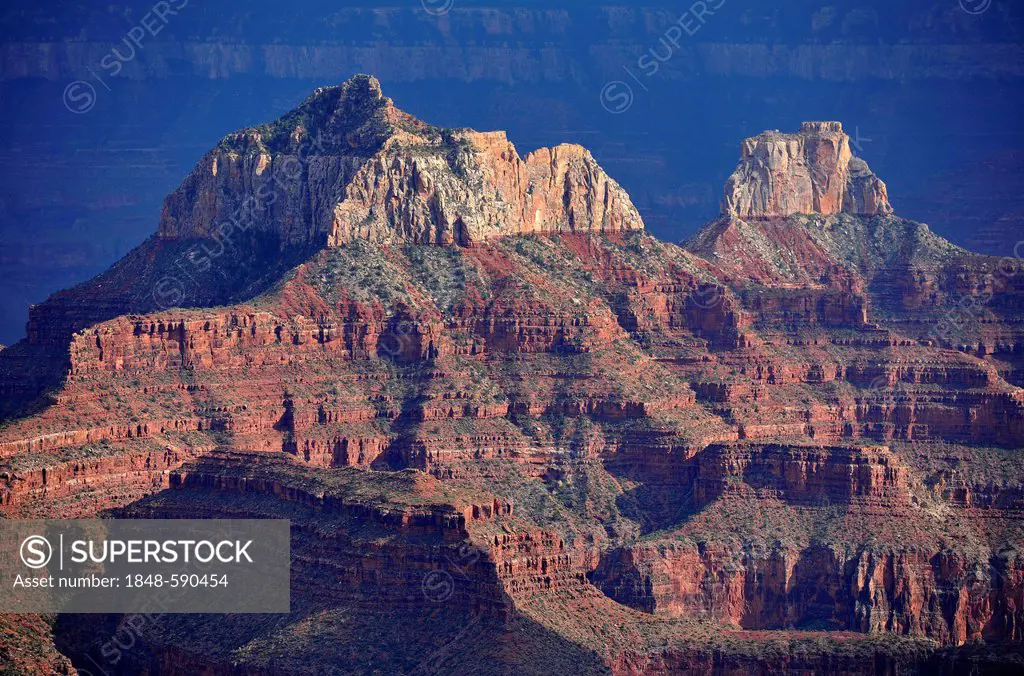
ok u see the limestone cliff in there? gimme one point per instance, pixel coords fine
(810, 172)
(347, 164)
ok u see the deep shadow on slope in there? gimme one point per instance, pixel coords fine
(157, 275)
(341, 622)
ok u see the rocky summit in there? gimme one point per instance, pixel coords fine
(514, 433)
(347, 165)
(810, 172)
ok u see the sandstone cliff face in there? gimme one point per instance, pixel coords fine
(937, 594)
(810, 172)
(348, 165)
(480, 190)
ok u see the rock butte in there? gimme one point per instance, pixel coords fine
(790, 445)
(810, 172)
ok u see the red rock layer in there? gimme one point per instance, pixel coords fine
(936, 594)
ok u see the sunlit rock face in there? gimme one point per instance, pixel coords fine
(810, 172)
(347, 165)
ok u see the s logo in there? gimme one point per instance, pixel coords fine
(36, 551)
